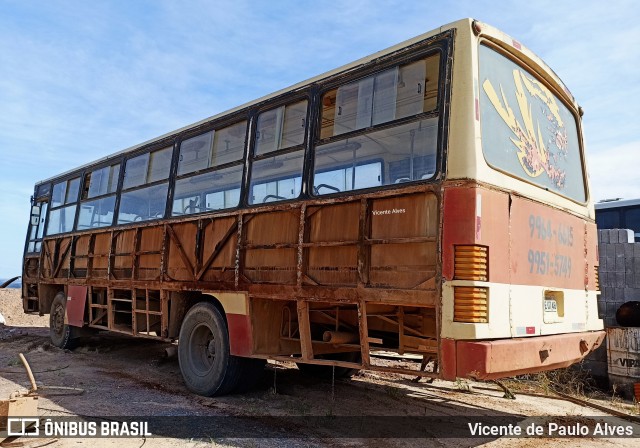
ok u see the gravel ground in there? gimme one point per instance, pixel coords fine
(121, 376)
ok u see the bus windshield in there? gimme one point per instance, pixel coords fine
(526, 130)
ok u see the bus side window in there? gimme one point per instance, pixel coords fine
(99, 198)
(210, 168)
(63, 206)
(276, 178)
(407, 153)
(145, 186)
(365, 176)
(276, 172)
(392, 94)
(39, 212)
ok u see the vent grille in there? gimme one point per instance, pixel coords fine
(470, 304)
(597, 270)
(470, 263)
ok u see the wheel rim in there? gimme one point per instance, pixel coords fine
(202, 349)
(57, 320)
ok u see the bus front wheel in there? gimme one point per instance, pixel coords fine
(207, 366)
(62, 335)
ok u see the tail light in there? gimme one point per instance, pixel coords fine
(471, 263)
(470, 304)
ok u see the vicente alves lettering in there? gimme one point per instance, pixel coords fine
(390, 211)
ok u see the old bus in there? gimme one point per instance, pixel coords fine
(428, 202)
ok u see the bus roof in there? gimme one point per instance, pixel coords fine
(467, 22)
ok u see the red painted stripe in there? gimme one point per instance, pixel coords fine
(463, 224)
(240, 337)
(448, 367)
(76, 300)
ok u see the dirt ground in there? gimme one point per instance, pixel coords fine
(120, 376)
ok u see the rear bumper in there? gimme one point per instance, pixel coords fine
(509, 357)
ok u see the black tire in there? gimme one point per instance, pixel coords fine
(61, 334)
(326, 372)
(207, 366)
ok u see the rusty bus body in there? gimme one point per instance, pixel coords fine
(449, 259)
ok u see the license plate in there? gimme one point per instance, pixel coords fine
(550, 306)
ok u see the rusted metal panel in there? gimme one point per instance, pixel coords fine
(296, 258)
(148, 253)
(270, 255)
(448, 368)
(547, 246)
(476, 215)
(333, 264)
(80, 256)
(181, 265)
(219, 250)
(403, 240)
(495, 359)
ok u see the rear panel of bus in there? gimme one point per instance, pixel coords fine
(519, 241)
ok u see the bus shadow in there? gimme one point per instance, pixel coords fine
(131, 379)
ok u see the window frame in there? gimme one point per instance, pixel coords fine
(310, 96)
(443, 46)
(216, 125)
(560, 97)
(42, 201)
(90, 170)
(68, 178)
(156, 146)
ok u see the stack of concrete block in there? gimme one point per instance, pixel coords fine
(619, 272)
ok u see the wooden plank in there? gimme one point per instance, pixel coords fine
(364, 333)
(401, 336)
(364, 258)
(305, 329)
(400, 325)
(417, 239)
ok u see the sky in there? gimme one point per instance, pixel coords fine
(81, 80)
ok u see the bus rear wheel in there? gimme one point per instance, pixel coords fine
(61, 334)
(207, 366)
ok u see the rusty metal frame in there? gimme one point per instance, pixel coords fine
(305, 291)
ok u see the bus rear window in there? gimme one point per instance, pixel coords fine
(526, 130)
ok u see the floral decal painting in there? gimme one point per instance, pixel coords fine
(526, 130)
